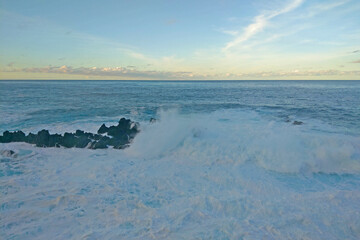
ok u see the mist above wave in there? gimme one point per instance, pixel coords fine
(237, 137)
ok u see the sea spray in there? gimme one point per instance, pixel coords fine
(244, 136)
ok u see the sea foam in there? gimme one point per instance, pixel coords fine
(228, 174)
(244, 136)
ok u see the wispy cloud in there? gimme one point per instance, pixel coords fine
(258, 25)
(230, 32)
(319, 8)
(260, 22)
(331, 5)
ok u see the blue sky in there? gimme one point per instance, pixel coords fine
(223, 39)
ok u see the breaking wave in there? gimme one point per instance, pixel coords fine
(237, 137)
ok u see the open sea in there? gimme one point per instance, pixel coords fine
(222, 161)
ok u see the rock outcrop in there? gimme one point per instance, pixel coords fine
(118, 137)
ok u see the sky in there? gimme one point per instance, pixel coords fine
(180, 39)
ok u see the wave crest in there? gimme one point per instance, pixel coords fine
(235, 137)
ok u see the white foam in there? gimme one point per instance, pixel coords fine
(225, 175)
(238, 137)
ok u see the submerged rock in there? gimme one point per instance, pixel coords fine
(8, 153)
(298, 123)
(118, 137)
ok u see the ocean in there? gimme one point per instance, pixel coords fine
(223, 161)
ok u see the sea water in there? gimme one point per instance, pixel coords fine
(222, 161)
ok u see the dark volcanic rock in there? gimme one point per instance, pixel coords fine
(102, 143)
(79, 133)
(31, 138)
(298, 123)
(42, 138)
(69, 140)
(17, 136)
(54, 140)
(125, 130)
(118, 137)
(102, 129)
(82, 142)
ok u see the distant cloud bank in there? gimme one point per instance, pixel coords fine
(131, 73)
(123, 72)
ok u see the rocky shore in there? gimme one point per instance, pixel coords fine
(118, 137)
